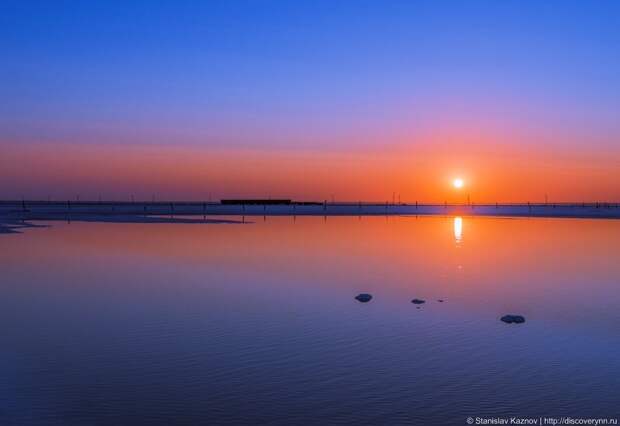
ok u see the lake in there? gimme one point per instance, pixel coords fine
(256, 322)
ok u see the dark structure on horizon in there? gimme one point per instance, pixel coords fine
(256, 201)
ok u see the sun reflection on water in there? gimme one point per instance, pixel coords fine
(458, 229)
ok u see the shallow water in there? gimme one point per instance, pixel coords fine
(257, 323)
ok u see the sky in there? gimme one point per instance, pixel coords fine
(352, 100)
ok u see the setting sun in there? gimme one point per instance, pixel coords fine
(457, 183)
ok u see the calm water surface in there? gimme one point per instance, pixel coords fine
(256, 323)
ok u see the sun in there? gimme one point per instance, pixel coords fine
(458, 183)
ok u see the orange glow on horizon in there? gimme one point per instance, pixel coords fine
(415, 173)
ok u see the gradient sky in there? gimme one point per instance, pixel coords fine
(350, 99)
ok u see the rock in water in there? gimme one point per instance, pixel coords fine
(440, 300)
(418, 301)
(509, 319)
(363, 297)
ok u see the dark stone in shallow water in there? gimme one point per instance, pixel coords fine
(440, 300)
(509, 319)
(363, 297)
(418, 301)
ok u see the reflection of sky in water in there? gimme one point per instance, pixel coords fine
(241, 323)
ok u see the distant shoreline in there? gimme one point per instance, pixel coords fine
(149, 211)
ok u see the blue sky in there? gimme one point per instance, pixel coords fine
(79, 69)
